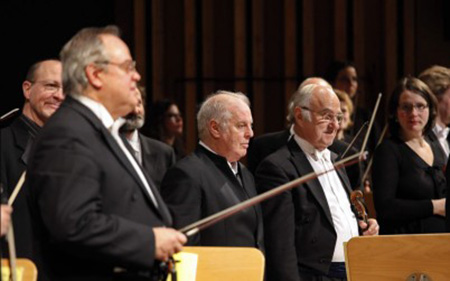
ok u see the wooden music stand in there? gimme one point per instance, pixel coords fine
(28, 267)
(228, 263)
(398, 257)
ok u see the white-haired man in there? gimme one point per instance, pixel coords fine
(212, 178)
(305, 227)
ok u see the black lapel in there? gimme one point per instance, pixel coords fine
(22, 138)
(303, 167)
(115, 148)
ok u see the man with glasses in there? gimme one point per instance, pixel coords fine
(96, 214)
(305, 228)
(42, 90)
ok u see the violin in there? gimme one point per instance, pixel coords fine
(357, 200)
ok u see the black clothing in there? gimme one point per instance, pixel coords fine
(403, 187)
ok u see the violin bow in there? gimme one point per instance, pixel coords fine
(8, 114)
(356, 196)
(369, 165)
(350, 145)
(208, 221)
(10, 233)
(17, 189)
(372, 119)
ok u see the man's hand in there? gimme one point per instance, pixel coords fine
(6, 219)
(373, 228)
(168, 241)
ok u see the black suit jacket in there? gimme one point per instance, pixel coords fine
(298, 227)
(92, 212)
(15, 143)
(157, 158)
(203, 184)
(264, 145)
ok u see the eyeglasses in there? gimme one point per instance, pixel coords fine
(408, 108)
(128, 66)
(49, 86)
(326, 115)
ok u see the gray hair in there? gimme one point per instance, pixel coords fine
(84, 48)
(301, 98)
(215, 107)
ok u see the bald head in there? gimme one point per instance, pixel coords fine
(295, 97)
(217, 107)
(317, 115)
(315, 81)
(225, 124)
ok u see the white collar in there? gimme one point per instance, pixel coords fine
(233, 166)
(98, 109)
(441, 131)
(310, 150)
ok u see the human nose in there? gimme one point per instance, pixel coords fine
(249, 132)
(136, 75)
(58, 94)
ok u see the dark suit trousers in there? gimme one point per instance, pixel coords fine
(304, 276)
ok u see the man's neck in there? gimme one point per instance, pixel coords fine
(32, 115)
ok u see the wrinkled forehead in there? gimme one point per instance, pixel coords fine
(49, 70)
(239, 110)
(323, 98)
(115, 48)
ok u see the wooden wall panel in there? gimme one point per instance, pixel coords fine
(190, 71)
(308, 38)
(409, 57)
(274, 76)
(390, 47)
(263, 48)
(241, 39)
(157, 50)
(207, 39)
(290, 51)
(240, 46)
(258, 65)
(340, 29)
(140, 38)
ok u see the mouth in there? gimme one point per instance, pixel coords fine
(54, 105)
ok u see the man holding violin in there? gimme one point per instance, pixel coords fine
(305, 228)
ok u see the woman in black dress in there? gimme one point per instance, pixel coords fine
(408, 179)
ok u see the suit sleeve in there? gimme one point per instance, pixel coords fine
(279, 224)
(182, 194)
(66, 188)
(385, 177)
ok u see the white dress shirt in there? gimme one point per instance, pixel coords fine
(344, 219)
(136, 145)
(441, 134)
(113, 127)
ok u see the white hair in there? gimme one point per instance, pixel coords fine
(215, 107)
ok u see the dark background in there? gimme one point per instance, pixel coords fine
(187, 49)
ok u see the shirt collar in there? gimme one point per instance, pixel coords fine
(440, 131)
(310, 150)
(134, 137)
(98, 109)
(233, 166)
